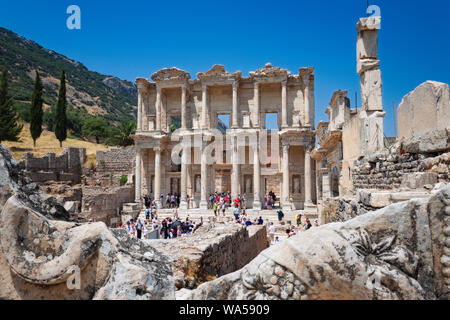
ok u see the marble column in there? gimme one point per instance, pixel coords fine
(326, 191)
(204, 179)
(190, 187)
(183, 202)
(183, 107)
(158, 109)
(284, 123)
(157, 190)
(140, 107)
(235, 172)
(256, 179)
(204, 106)
(256, 102)
(138, 176)
(306, 98)
(235, 124)
(286, 203)
(308, 201)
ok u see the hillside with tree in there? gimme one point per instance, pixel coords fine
(89, 94)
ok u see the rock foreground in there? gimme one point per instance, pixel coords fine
(399, 252)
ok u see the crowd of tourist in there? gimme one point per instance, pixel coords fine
(219, 202)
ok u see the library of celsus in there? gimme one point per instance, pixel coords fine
(247, 159)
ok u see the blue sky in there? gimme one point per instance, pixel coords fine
(130, 39)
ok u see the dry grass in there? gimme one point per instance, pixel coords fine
(48, 143)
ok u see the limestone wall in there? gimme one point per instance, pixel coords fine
(392, 169)
(65, 167)
(117, 160)
(214, 250)
(426, 107)
(100, 204)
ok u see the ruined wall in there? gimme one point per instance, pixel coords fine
(65, 167)
(117, 160)
(397, 166)
(100, 204)
(427, 106)
(214, 250)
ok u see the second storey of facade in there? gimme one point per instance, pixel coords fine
(172, 98)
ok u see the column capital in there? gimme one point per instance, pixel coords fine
(283, 83)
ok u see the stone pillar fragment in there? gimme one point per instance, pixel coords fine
(368, 65)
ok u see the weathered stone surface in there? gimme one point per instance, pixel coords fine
(212, 251)
(399, 252)
(425, 108)
(429, 141)
(371, 86)
(418, 180)
(14, 181)
(38, 254)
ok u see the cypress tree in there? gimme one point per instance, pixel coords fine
(36, 110)
(61, 117)
(9, 126)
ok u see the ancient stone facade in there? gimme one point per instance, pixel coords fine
(197, 104)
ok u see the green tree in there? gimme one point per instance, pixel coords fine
(37, 114)
(9, 126)
(95, 127)
(121, 135)
(60, 116)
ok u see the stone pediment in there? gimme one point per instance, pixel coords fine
(170, 74)
(217, 72)
(269, 71)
